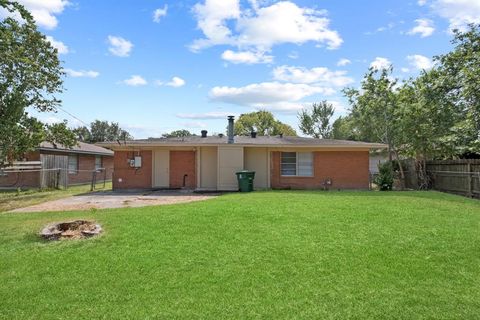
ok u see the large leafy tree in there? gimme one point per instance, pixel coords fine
(375, 111)
(425, 119)
(30, 77)
(344, 128)
(264, 123)
(315, 121)
(178, 134)
(101, 131)
(459, 79)
(375, 108)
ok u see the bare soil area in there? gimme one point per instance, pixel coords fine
(112, 199)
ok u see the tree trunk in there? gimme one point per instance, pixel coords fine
(421, 168)
(402, 173)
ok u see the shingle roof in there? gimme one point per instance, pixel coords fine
(244, 140)
(81, 147)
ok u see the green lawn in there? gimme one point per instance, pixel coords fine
(275, 255)
(12, 199)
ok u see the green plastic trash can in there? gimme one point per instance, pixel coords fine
(245, 180)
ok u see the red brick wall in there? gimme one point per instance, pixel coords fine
(132, 178)
(182, 163)
(107, 163)
(346, 169)
(22, 179)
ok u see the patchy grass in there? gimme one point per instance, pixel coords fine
(12, 199)
(287, 254)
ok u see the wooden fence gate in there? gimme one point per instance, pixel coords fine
(54, 171)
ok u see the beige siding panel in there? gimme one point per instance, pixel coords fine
(256, 159)
(161, 169)
(230, 160)
(208, 168)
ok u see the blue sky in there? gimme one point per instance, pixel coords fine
(156, 66)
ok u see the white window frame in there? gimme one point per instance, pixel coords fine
(297, 164)
(72, 171)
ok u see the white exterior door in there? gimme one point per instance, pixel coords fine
(161, 169)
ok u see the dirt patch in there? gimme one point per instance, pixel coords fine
(117, 200)
(77, 229)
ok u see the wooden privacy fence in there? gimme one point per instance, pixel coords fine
(455, 176)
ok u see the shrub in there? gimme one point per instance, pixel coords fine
(384, 180)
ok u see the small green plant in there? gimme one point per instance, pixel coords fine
(384, 180)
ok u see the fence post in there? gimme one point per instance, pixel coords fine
(104, 177)
(94, 177)
(57, 182)
(469, 179)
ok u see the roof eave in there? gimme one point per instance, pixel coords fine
(76, 151)
(330, 146)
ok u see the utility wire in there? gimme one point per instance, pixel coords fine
(73, 116)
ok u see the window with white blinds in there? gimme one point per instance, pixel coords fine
(305, 164)
(297, 164)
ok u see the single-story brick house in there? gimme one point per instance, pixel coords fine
(210, 162)
(80, 162)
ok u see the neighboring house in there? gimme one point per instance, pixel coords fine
(77, 164)
(210, 162)
(377, 157)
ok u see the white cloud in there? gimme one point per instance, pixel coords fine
(211, 19)
(459, 13)
(405, 70)
(176, 82)
(389, 26)
(59, 45)
(268, 95)
(204, 116)
(43, 11)
(380, 63)
(343, 62)
(159, 13)
(420, 62)
(247, 57)
(82, 73)
(318, 75)
(223, 22)
(135, 81)
(194, 124)
(293, 55)
(285, 22)
(119, 46)
(421, 2)
(424, 27)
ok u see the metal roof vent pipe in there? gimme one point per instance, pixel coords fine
(204, 133)
(253, 134)
(230, 129)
